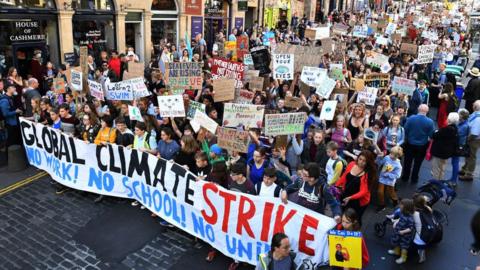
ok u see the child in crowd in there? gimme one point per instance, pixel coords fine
(390, 170)
(335, 164)
(404, 230)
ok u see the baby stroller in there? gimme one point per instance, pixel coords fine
(433, 190)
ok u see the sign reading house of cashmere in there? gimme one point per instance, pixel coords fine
(26, 31)
(238, 225)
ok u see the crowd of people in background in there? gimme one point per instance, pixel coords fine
(332, 168)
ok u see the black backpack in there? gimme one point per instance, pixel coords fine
(432, 230)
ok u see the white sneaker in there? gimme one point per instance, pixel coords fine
(135, 203)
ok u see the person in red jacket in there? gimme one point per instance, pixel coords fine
(114, 63)
(351, 222)
(355, 181)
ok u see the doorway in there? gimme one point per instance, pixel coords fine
(24, 54)
(212, 27)
(134, 37)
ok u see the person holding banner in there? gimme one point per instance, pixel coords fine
(107, 133)
(280, 257)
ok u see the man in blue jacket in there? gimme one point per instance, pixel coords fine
(9, 113)
(418, 129)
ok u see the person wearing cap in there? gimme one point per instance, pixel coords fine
(216, 154)
(472, 91)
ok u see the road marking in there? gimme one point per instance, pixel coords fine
(23, 182)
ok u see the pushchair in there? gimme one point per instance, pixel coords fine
(433, 190)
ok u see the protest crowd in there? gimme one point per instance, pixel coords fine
(327, 115)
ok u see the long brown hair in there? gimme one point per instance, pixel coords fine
(370, 168)
(190, 144)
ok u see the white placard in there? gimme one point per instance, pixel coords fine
(326, 87)
(134, 113)
(171, 106)
(328, 110)
(96, 90)
(119, 91)
(76, 81)
(322, 32)
(425, 53)
(283, 66)
(368, 95)
(203, 120)
(312, 76)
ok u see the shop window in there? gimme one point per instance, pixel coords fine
(164, 5)
(163, 30)
(47, 4)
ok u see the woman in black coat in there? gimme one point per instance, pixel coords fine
(444, 145)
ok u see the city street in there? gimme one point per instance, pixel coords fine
(42, 230)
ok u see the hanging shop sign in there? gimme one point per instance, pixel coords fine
(26, 31)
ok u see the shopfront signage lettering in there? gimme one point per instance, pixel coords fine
(27, 31)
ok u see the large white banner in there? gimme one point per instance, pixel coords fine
(237, 224)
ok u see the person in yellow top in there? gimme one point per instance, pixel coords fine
(336, 165)
(107, 133)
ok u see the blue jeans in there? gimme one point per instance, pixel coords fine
(455, 169)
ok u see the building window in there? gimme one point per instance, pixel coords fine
(106, 5)
(46, 4)
(164, 5)
(98, 34)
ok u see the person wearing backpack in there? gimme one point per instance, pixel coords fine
(422, 230)
(390, 170)
(335, 164)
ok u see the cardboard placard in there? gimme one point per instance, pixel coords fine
(396, 38)
(84, 60)
(293, 102)
(233, 139)
(340, 95)
(357, 84)
(59, 85)
(250, 74)
(310, 33)
(284, 123)
(224, 89)
(408, 48)
(256, 84)
(134, 70)
(182, 76)
(377, 80)
(425, 54)
(246, 115)
(327, 45)
(96, 90)
(194, 106)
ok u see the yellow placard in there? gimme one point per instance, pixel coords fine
(345, 248)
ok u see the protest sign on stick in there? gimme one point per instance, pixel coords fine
(293, 102)
(283, 66)
(377, 80)
(233, 139)
(223, 68)
(96, 90)
(345, 249)
(248, 116)
(134, 113)
(119, 91)
(357, 84)
(181, 76)
(403, 85)
(193, 106)
(76, 80)
(368, 95)
(204, 121)
(425, 54)
(328, 110)
(59, 85)
(408, 48)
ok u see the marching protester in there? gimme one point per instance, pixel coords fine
(288, 118)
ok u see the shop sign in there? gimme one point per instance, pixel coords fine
(193, 7)
(26, 31)
(93, 37)
(214, 7)
(197, 26)
(242, 5)
(238, 22)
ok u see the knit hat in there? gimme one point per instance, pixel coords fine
(216, 149)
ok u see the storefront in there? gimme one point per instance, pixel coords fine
(134, 33)
(28, 33)
(217, 19)
(164, 23)
(94, 26)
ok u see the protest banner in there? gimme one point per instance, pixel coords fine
(360, 31)
(345, 249)
(403, 85)
(232, 139)
(223, 68)
(187, 75)
(313, 76)
(230, 50)
(204, 121)
(284, 123)
(224, 89)
(248, 116)
(325, 88)
(96, 90)
(194, 106)
(247, 59)
(283, 66)
(59, 85)
(357, 84)
(310, 33)
(134, 113)
(336, 72)
(242, 47)
(367, 95)
(261, 59)
(377, 80)
(322, 32)
(76, 81)
(328, 110)
(173, 193)
(256, 84)
(425, 54)
(244, 96)
(408, 48)
(171, 106)
(293, 102)
(119, 91)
